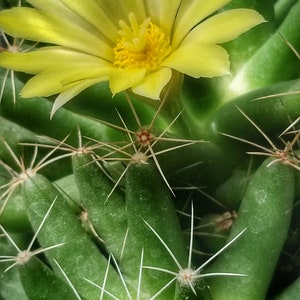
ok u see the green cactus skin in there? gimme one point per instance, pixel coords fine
(265, 213)
(79, 256)
(13, 134)
(11, 287)
(14, 217)
(231, 192)
(202, 290)
(281, 9)
(262, 69)
(291, 292)
(40, 282)
(103, 211)
(203, 163)
(146, 193)
(271, 115)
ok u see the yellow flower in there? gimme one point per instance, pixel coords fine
(132, 44)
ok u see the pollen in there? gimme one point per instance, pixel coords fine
(140, 45)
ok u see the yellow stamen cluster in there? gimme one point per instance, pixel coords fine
(140, 46)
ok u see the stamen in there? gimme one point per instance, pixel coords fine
(140, 46)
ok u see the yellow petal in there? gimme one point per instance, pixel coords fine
(48, 57)
(31, 24)
(125, 7)
(163, 13)
(90, 16)
(191, 13)
(53, 81)
(123, 79)
(116, 10)
(224, 27)
(19, 62)
(153, 83)
(73, 91)
(198, 60)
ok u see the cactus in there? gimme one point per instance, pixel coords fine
(157, 176)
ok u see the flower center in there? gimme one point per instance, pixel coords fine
(140, 46)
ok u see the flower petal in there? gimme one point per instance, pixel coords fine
(73, 91)
(48, 57)
(31, 24)
(48, 83)
(163, 13)
(129, 6)
(117, 10)
(191, 13)
(90, 16)
(123, 79)
(224, 27)
(51, 81)
(153, 83)
(199, 60)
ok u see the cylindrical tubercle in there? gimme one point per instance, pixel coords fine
(78, 256)
(265, 213)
